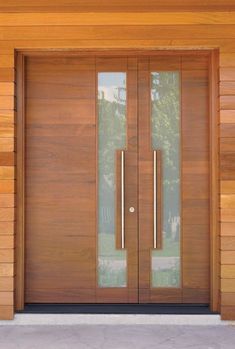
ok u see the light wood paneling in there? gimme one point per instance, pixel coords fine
(6, 61)
(115, 5)
(7, 186)
(7, 200)
(7, 144)
(6, 284)
(227, 243)
(227, 116)
(6, 228)
(120, 18)
(227, 60)
(227, 229)
(228, 271)
(7, 75)
(112, 32)
(117, 25)
(7, 172)
(227, 257)
(227, 187)
(6, 311)
(227, 74)
(6, 241)
(6, 255)
(228, 299)
(228, 285)
(227, 215)
(7, 88)
(6, 269)
(7, 102)
(227, 88)
(6, 298)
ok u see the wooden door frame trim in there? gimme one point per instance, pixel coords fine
(214, 162)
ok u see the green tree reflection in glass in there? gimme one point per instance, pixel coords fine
(112, 136)
(165, 98)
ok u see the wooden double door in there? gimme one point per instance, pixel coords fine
(117, 179)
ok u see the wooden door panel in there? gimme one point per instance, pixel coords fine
(60, 180)
(194, 157)
(62, 125)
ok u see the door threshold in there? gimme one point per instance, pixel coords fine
(170, 309)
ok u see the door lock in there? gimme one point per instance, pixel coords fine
(131, 209)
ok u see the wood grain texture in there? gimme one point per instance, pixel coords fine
(7, 200)
(7, 159)
(227, 312)
(6, 214)
(228, 299)
(6, 241)
(227, 187)
(7, 143)
(227, 88)
(227, 116)
(120, 18)
(6, 269)
(7, 186)
(7, 75)
(228, 285)
(6, 255)
(7, 102)
(227, 229)
(228, 272)
(194, 30)
(112, 32)
(7, 228)
(227, 59)
(6, 284)
(61, 163)
(195, 198)
(7, 172)
(228, 257)
(7, 88)
(227, 201)
(227, 73)
(227, 102)
(6, 311)
(6, 61)
(6, 298)
(227, 215)
(227, 243)
(116, 5)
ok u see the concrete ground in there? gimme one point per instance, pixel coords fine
(116, 337)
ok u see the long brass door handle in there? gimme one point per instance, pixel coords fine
(157, 198)
(122, 199)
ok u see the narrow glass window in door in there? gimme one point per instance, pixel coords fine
(165, 123)
(112, 265)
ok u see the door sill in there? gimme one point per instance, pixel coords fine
(174, 309)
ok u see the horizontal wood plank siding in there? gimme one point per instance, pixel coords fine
(227, 175)
(7, 183)
(117, 24)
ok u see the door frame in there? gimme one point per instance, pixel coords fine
(213, 55)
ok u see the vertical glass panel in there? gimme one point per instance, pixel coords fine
(165, 100)
(112, 263)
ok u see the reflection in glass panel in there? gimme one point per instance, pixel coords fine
(112, 136)
(165, 100)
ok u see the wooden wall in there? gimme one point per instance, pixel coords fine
(29, 25)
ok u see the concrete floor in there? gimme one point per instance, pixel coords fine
(117, 337)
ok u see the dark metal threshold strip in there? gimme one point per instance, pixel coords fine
(116, 309)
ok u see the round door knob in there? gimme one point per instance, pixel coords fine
(131, 209)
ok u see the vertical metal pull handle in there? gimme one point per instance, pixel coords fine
(157, 199)
(122, 199)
